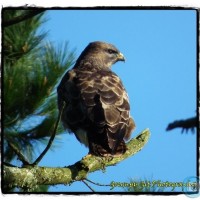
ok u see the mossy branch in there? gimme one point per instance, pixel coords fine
(32, 176)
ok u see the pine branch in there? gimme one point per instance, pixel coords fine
(51, 138)
(187, 124)
(32, 176)
(21, 18)
(18, 153)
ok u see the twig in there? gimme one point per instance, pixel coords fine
(18, 153)
(8, 164)
(87, 185)
(97, 183)
(21, 18)
(51, 138)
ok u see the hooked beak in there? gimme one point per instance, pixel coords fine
(121, 57)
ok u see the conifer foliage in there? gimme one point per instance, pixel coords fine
(32, 67)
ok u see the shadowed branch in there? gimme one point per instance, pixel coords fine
(21, 18)
(51, 138)
(187, 124)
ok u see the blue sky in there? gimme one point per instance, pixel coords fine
(160, 77)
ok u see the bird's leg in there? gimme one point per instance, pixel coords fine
(103, 160)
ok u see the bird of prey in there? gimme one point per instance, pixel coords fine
(96, 107)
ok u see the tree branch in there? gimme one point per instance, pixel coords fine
(51, 138)
(88, 185)
(21, 18)
(18, 153)
(187, 124)
(96, 183)
(32, 176)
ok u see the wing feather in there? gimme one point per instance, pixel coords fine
(97, 104)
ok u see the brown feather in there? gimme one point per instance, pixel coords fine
(97, 109)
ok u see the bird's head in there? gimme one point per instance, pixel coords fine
(104, 54)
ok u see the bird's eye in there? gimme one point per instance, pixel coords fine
(111, 51)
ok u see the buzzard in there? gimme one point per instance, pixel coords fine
(96, 107)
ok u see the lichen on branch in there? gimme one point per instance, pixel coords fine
(30, 177)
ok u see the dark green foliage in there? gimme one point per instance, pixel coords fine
(31, 69)
(21, 38)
